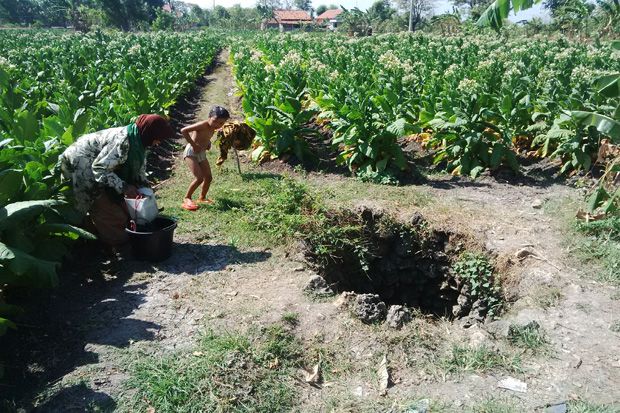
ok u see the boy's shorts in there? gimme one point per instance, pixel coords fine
(189, 153)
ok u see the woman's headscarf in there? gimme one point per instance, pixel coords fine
(141, 134)
(153, 128)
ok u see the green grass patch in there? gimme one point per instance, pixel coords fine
(582, 406)
(291, 318)
(598, 244)
(530, 337)
(594, 246)
(255, 209)
(225, 372)
(339, 191)
(479, 359)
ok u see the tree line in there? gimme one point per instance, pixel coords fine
(568, 16)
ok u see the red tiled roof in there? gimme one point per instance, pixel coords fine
(329, 14)
(288, 16)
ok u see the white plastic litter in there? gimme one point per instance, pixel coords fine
(510, 383)
(143, 210)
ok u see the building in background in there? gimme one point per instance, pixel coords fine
(286, 20)
(329, 18)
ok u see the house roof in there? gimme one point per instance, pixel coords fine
(290, 16)
(329, 14)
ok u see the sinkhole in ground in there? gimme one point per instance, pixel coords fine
(405, 263)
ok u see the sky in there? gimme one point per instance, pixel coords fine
(440, 6)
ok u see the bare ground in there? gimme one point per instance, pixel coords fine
(206, 285)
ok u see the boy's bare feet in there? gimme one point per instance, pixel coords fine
(189, 205)
(207, 201)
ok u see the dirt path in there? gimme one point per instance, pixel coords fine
(157, 309)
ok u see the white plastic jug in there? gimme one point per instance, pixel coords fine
(143, 210)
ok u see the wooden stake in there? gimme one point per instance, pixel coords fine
(238, 164)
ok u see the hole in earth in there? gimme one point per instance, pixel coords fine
(405, 263)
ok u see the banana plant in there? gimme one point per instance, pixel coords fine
(494, 15)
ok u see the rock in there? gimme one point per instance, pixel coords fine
(537, 204)
(370, 213)
(478, 337)
(416, 219)
(345, 300)
(397, 316)
(498, 329)
(462, 306)
(557, 408)
(369, 308)
(298, 269)
(478, 311)
(317, 286)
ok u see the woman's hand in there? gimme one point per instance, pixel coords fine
(208, 147)
(130, 191)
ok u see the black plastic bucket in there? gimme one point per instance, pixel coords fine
(153, 242)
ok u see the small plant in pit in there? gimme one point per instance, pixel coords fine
(476, 270)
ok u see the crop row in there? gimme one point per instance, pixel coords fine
(53, 88)
(477, 101)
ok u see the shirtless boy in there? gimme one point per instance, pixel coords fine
(198, 137)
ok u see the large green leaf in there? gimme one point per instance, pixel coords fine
(10, 310)
(65, 230)
(5, 325)
(399, 127)
(29, 271)
(609, 85)
(602, 123)
(18, 213)
(27, 126)
(10, 182)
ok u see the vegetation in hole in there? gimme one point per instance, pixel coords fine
(476, 270)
